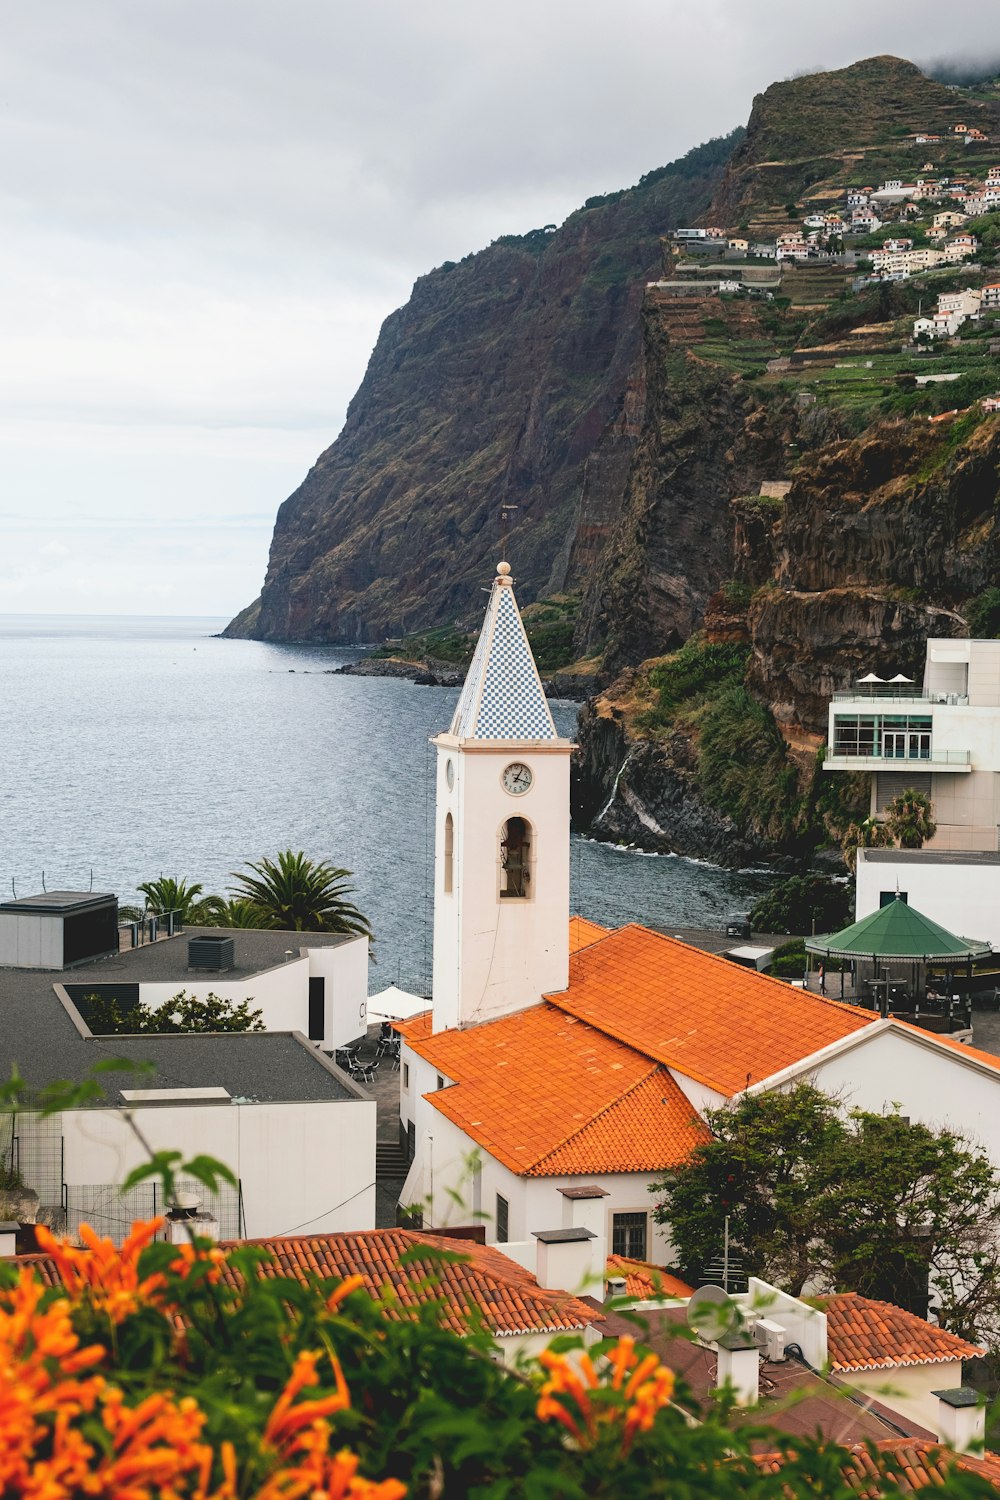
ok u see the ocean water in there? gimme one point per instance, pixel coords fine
(137, 746)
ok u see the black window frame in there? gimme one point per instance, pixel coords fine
(503, 1220)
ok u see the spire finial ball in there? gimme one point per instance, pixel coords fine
(503, 569)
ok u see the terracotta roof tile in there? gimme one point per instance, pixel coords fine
(583, 932)
(483, 1285)
(604, 1108)
(867, 1335)
(916, 1465)
(715, 1022)
(646, 1281)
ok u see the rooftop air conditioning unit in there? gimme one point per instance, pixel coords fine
(770, 1339)
(213, 953)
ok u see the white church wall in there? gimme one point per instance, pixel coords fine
(934, 1085)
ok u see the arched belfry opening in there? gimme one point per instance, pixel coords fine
(449, 853)
(516, 853)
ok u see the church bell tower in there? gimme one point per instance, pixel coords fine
(501, 867)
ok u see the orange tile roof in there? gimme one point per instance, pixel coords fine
(644, 1281)
(916, 1464)
(583, 932)
(548, 1095)
(484, 1285)
(720, 1024)
(867, 1335)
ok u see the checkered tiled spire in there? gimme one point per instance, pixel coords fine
(502, 698)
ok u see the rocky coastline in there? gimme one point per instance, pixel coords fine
(430, 673)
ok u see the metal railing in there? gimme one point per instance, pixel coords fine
(898, 695)
(934, 758)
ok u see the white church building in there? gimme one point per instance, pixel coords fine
(564, 1068)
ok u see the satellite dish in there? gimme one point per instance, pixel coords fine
(712, 1313)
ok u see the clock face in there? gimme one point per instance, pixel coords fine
(517, 779)
(449, 773)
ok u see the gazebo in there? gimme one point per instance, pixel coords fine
(900, 961)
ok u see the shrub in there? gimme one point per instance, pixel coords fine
(743, 767)
(983, 614)
(689, 674)
(804, 903)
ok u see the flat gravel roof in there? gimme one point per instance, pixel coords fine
(38, 1037)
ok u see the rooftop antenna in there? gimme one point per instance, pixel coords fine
(505, 510)
(727, 1269)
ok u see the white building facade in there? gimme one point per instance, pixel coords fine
(942, 739)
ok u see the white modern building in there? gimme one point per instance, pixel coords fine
(960, 889)
(298, 1133)
(941, 738)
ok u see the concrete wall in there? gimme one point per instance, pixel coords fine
(281, 994)
(963, 898)
(30, 940)
(303, 1167)
(906, 1389)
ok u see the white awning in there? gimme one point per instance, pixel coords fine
(393, 1004)
(871, 677)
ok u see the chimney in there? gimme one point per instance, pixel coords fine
(583, 1208)
(564, 1258)
(186, 1217)
(961, 1418)
(739, 1367)
(8, 1236)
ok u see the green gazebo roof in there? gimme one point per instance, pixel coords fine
(898, 931)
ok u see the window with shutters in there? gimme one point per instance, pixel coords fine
(503, 1220)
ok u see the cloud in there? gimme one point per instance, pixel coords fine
(209, 209)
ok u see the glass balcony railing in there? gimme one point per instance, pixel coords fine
(897, 694)
(890, 758)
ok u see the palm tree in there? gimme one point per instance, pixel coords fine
(240, 911)
(910, 819)
(181, 897)
(299, 894)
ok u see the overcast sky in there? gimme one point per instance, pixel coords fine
(209, 206)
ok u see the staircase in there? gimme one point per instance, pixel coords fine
(391, 1162)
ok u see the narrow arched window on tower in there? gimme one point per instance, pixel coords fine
(515, 858)
(449, 853)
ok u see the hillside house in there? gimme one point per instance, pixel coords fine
(897, 245)
(737, 243)
(990, 403)
(925, 140)
(991, 295)
(950, 218)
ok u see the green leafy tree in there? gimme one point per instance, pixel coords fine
(910, 819)
(299, 894)
(865, 1202)
(182, 1012)
(910, 1206)
(804, 903)
(765, 1170)
(983, 614)
(185, 898)
(869, 834)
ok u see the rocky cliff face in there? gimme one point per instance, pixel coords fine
(745, 497)
(493, 386)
